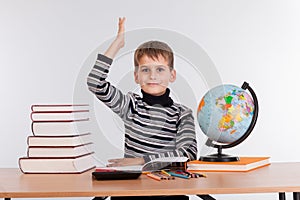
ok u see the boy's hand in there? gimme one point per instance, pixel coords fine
(120, 37)
(125, 162)
(119, 42)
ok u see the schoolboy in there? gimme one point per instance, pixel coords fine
(155, 126)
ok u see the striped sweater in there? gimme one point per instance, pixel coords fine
(151, 131)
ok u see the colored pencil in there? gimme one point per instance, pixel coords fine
(153, 176)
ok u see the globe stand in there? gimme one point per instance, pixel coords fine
(220, 157)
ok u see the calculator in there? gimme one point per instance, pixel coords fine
(115, 175)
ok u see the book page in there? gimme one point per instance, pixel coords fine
(152, 165)
(123, 168)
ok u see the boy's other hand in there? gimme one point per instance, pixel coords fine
(125, 162)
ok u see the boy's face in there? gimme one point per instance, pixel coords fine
(154, 76)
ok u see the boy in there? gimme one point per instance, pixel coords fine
(155, 126)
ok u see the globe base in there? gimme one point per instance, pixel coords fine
(219, 158)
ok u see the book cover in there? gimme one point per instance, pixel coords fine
(174, 163)
(58, 107)
(59, 115)
(243, 165)
(65, 128)
(56, 165)
(59, 151)
(59, 140)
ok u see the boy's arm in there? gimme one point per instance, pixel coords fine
(97, 83)
(186, 143)
(107, 93)
(118, 43)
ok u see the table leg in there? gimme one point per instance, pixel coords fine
(296, 195)
(281, 195)
(205, 197)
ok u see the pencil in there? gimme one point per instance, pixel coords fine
(179, 175)
(154, 177)
(164, 176)
(164, 172)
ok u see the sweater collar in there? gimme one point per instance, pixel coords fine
(163, 100)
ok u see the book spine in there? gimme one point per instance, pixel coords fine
(45, 107)
(56, 116)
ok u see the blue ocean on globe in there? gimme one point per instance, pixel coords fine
(225, 113)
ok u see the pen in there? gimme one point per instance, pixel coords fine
(178, 175)
(154, 177)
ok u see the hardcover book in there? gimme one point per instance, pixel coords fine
(65, 128)
(243, 165)
(59, 115)
(59, 140)
(58, 107)
(59, 151)
(56, 165)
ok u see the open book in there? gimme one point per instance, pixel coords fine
(153, 165)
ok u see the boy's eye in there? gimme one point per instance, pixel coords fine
(160, 69)
(145, 70)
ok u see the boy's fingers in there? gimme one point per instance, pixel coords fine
(121, 20)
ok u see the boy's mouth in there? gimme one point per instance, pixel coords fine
(152, 84)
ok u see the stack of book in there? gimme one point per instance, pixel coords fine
(61, 142)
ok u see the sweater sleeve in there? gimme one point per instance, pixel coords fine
(103, 90)
(186, 143)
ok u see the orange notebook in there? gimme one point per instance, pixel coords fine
(243, 165)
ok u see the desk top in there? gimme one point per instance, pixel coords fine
(277, 177)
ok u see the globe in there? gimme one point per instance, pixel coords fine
(226, 115)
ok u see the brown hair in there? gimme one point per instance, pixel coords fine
(154, 49)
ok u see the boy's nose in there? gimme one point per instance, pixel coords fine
(153, 74)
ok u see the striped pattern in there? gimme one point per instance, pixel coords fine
(150, 131)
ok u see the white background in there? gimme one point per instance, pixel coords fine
(44, 45)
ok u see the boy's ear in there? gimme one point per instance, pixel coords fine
(136, 78)
(173, 76)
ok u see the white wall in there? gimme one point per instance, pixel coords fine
(44, 45)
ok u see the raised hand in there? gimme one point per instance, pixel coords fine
(119, 42)
(121, 31)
